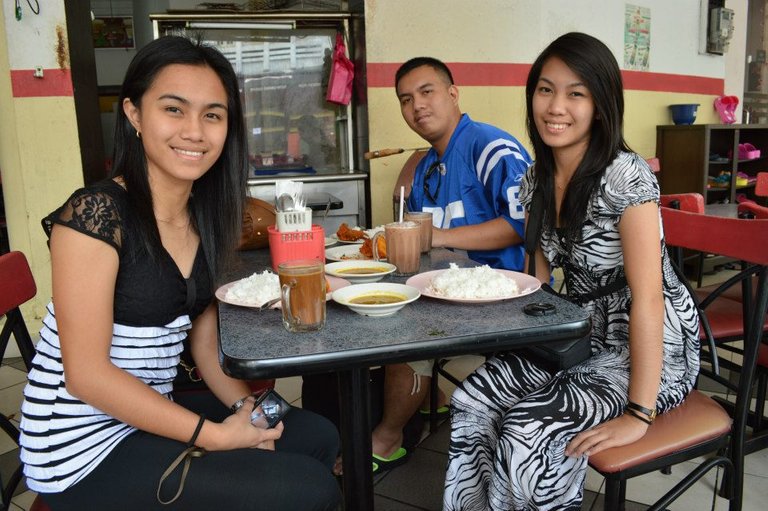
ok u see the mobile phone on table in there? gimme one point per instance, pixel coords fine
(269, 409)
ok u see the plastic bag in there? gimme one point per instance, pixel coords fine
(342, 73)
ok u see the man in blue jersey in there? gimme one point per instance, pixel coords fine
(470, 181)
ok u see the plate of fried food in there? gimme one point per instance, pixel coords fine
(363, 251)
(347, 234)
(354, 235)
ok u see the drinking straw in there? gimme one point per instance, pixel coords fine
(402, 201)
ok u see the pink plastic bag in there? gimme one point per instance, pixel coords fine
(342, 74)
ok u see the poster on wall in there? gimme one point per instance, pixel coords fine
(637, 37)
(116, 32)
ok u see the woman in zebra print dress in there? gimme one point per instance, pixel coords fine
(134, 260)
(521, 431)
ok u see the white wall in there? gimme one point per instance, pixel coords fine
(736, 57)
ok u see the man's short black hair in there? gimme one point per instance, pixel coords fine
(415, 62)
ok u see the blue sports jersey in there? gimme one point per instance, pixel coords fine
(478, 179)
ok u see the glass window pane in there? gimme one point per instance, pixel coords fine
(284, 75)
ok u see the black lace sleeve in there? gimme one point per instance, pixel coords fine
(91, 212)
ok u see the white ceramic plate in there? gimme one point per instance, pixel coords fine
(525, 285)
(344, 253)
(343, 296)
(369, 232)
(221, 293)
(341, 269)
(330, 241)
(337, 240)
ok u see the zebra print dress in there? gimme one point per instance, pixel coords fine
(62, 438)
(512, 418)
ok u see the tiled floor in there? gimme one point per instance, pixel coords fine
(418, 484)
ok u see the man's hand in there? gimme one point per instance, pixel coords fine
(491, 235)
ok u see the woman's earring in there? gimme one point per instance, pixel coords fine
(138, 134)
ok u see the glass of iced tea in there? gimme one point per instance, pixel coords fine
(302, 288)
(424, 219)
(403, 246)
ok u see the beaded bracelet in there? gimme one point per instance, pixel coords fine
(645, 411)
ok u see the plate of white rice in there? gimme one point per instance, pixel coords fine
(259, 288)
(481, 284)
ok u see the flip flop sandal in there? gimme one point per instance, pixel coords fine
(442, 412)
(397, 458)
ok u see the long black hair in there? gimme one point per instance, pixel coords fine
(216, 204)
(597, 68)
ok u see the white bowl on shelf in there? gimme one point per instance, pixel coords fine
(344, 296)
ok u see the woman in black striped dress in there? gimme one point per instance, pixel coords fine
(521, 431)
(134, 261)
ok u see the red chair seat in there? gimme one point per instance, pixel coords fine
(726, 320)
(696, 420)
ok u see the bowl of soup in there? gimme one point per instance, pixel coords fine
(359, 271)
(376, 298)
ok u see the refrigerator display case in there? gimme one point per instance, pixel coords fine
(283, 60)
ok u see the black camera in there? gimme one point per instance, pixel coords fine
(269, 409)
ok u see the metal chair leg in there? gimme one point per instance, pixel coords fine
(433, 392)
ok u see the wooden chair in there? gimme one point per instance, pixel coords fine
(405, 179)
(700, 425)
(17, 286)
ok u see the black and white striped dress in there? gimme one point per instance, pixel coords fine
(62, 438)
(512, 418)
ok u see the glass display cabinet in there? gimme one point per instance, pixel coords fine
(283, 61)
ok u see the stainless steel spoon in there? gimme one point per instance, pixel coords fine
(285, 202)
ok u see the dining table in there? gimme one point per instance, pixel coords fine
(254, 344)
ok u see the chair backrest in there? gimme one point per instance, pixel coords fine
(405, 179)
(761, 187)
(17, 286)
(654, 163)
(691, 202)
(738, 238)
(753, 210)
